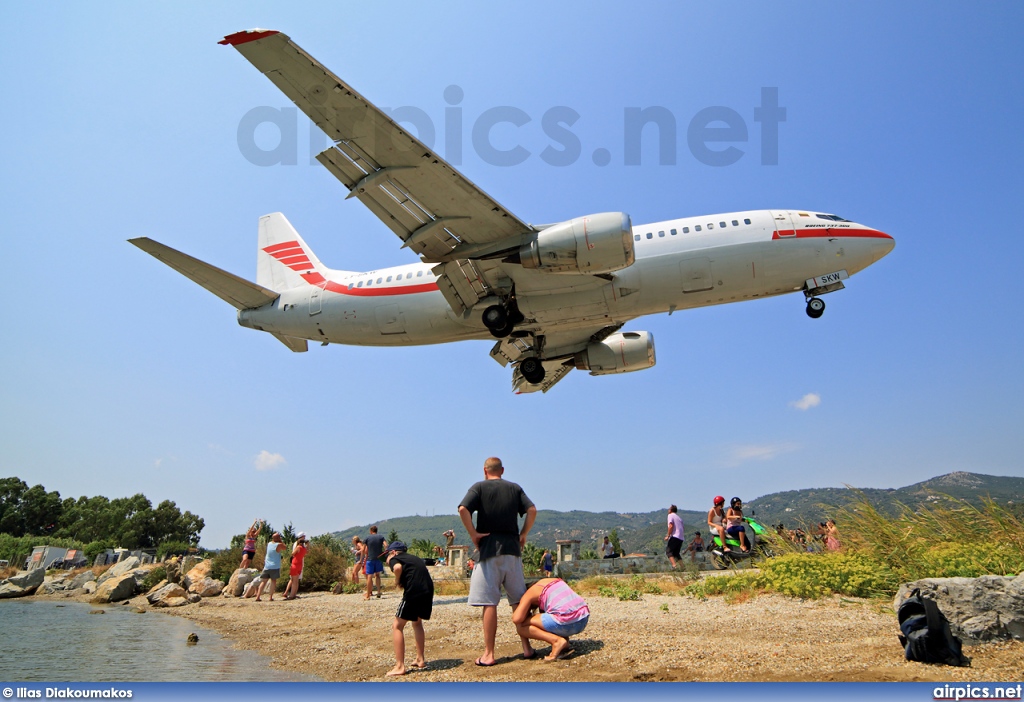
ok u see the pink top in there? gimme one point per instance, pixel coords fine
(559, 600)
(677, 525)
(250, 545)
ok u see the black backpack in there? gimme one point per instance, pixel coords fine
(926, 635)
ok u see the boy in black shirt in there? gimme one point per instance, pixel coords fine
(417, 586)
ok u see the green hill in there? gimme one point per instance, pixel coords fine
(643, 532)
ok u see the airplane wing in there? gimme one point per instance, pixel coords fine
(434, 209)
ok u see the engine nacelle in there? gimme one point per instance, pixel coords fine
(622, 352)
(599, 243)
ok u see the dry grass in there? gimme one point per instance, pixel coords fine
(8, 572)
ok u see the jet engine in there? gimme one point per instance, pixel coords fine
(598, 243)
(622, 352)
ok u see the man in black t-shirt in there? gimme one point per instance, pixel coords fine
(417, 587)
(375, 547)
(498, 505)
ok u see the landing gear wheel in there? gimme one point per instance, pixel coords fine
(532, 370)
(815, 307)
(495, 317)
(504, 331)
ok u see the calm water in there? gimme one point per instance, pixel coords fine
(44, 641)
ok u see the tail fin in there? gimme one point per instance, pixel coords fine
(284, 260)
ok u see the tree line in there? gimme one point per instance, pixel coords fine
(129, 522)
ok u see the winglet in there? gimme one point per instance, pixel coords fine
(247, 36)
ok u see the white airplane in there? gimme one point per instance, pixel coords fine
(555, 296)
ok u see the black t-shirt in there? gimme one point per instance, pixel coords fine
(415, 579)
(498, 505)
(374, 546)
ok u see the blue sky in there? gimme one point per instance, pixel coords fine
(123, 377)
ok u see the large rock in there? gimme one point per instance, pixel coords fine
(170, 595)
(89, 587)
(115, 589)
(119, 569)
(22, 584)
(979, 609)
(81, 579)
(239, 579)
(197, 574)
(207, 587)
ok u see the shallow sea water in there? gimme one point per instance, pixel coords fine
(62, 642)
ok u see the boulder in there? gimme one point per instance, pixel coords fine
(81, 579)
(22, 584)
(119, 569)
(170, 595)
(173, 570)
(239, 579)
(157, 586)
(89, 587)
(193, 598)
(251, 587)
(988, 608)
(115, 589)
(197, 574)
(207, 587)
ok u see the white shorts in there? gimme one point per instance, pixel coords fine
(490, 575)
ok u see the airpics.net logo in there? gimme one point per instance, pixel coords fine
(966, 693)
(715, 136)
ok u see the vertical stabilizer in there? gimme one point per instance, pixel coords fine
(284, 260)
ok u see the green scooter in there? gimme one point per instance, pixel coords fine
(760, 546)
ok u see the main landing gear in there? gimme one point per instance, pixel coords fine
(532, 370)
(500, 320)
(815, 307)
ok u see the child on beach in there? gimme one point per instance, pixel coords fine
(563, 613)
(417, 587)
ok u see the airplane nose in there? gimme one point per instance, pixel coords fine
(882, 245)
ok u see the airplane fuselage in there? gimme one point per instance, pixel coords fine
(680, 264)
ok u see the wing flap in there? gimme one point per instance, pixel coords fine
(237, 292)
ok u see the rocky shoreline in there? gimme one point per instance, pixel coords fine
(659, 638)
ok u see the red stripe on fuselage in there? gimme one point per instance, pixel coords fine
(331, 286)
(831, 233)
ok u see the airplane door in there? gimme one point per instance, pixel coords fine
(784, 225)
(315, 301)
(696, 274)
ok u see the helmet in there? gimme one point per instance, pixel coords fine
(733, 501)
(719, 500)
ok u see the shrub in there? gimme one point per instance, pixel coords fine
(172, 548)
(322, 568)
(153, 577)
(225, 563)
(815, 575)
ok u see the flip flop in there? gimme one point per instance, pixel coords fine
(484, 665)
(530, 657)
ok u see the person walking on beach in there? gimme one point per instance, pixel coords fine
(417, 588)
(375, 545)
(299, 549)
(498, 503)
(546, 563)
(358, 558)
(674, 537)
(249, 547)
(271, 566)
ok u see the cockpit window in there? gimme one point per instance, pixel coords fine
(834, 218)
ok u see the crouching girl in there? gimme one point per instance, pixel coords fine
(563, 613)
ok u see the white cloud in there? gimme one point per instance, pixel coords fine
(811, 399)
(269, 461)
(759, 452)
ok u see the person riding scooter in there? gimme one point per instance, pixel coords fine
(716, 522)
(734, 523)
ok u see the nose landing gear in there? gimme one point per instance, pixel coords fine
(815, 307)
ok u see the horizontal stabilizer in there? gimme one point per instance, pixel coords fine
(296, 345)
(238, 292)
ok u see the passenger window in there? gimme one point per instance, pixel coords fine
(636, 237)
(389, 278)
(378, 281)
(673, 232)
(711, 225)
(419, 274)
(686, 230)
(359, 284)
(696, 228)
(350, 285)
(746, 221)
(735, 223)
(722, 225)
(661, 234)
(369, 282)
(649, 235)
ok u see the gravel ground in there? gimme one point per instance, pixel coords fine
(766, 638)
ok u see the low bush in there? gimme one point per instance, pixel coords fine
(153, 577)
(323, 567)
